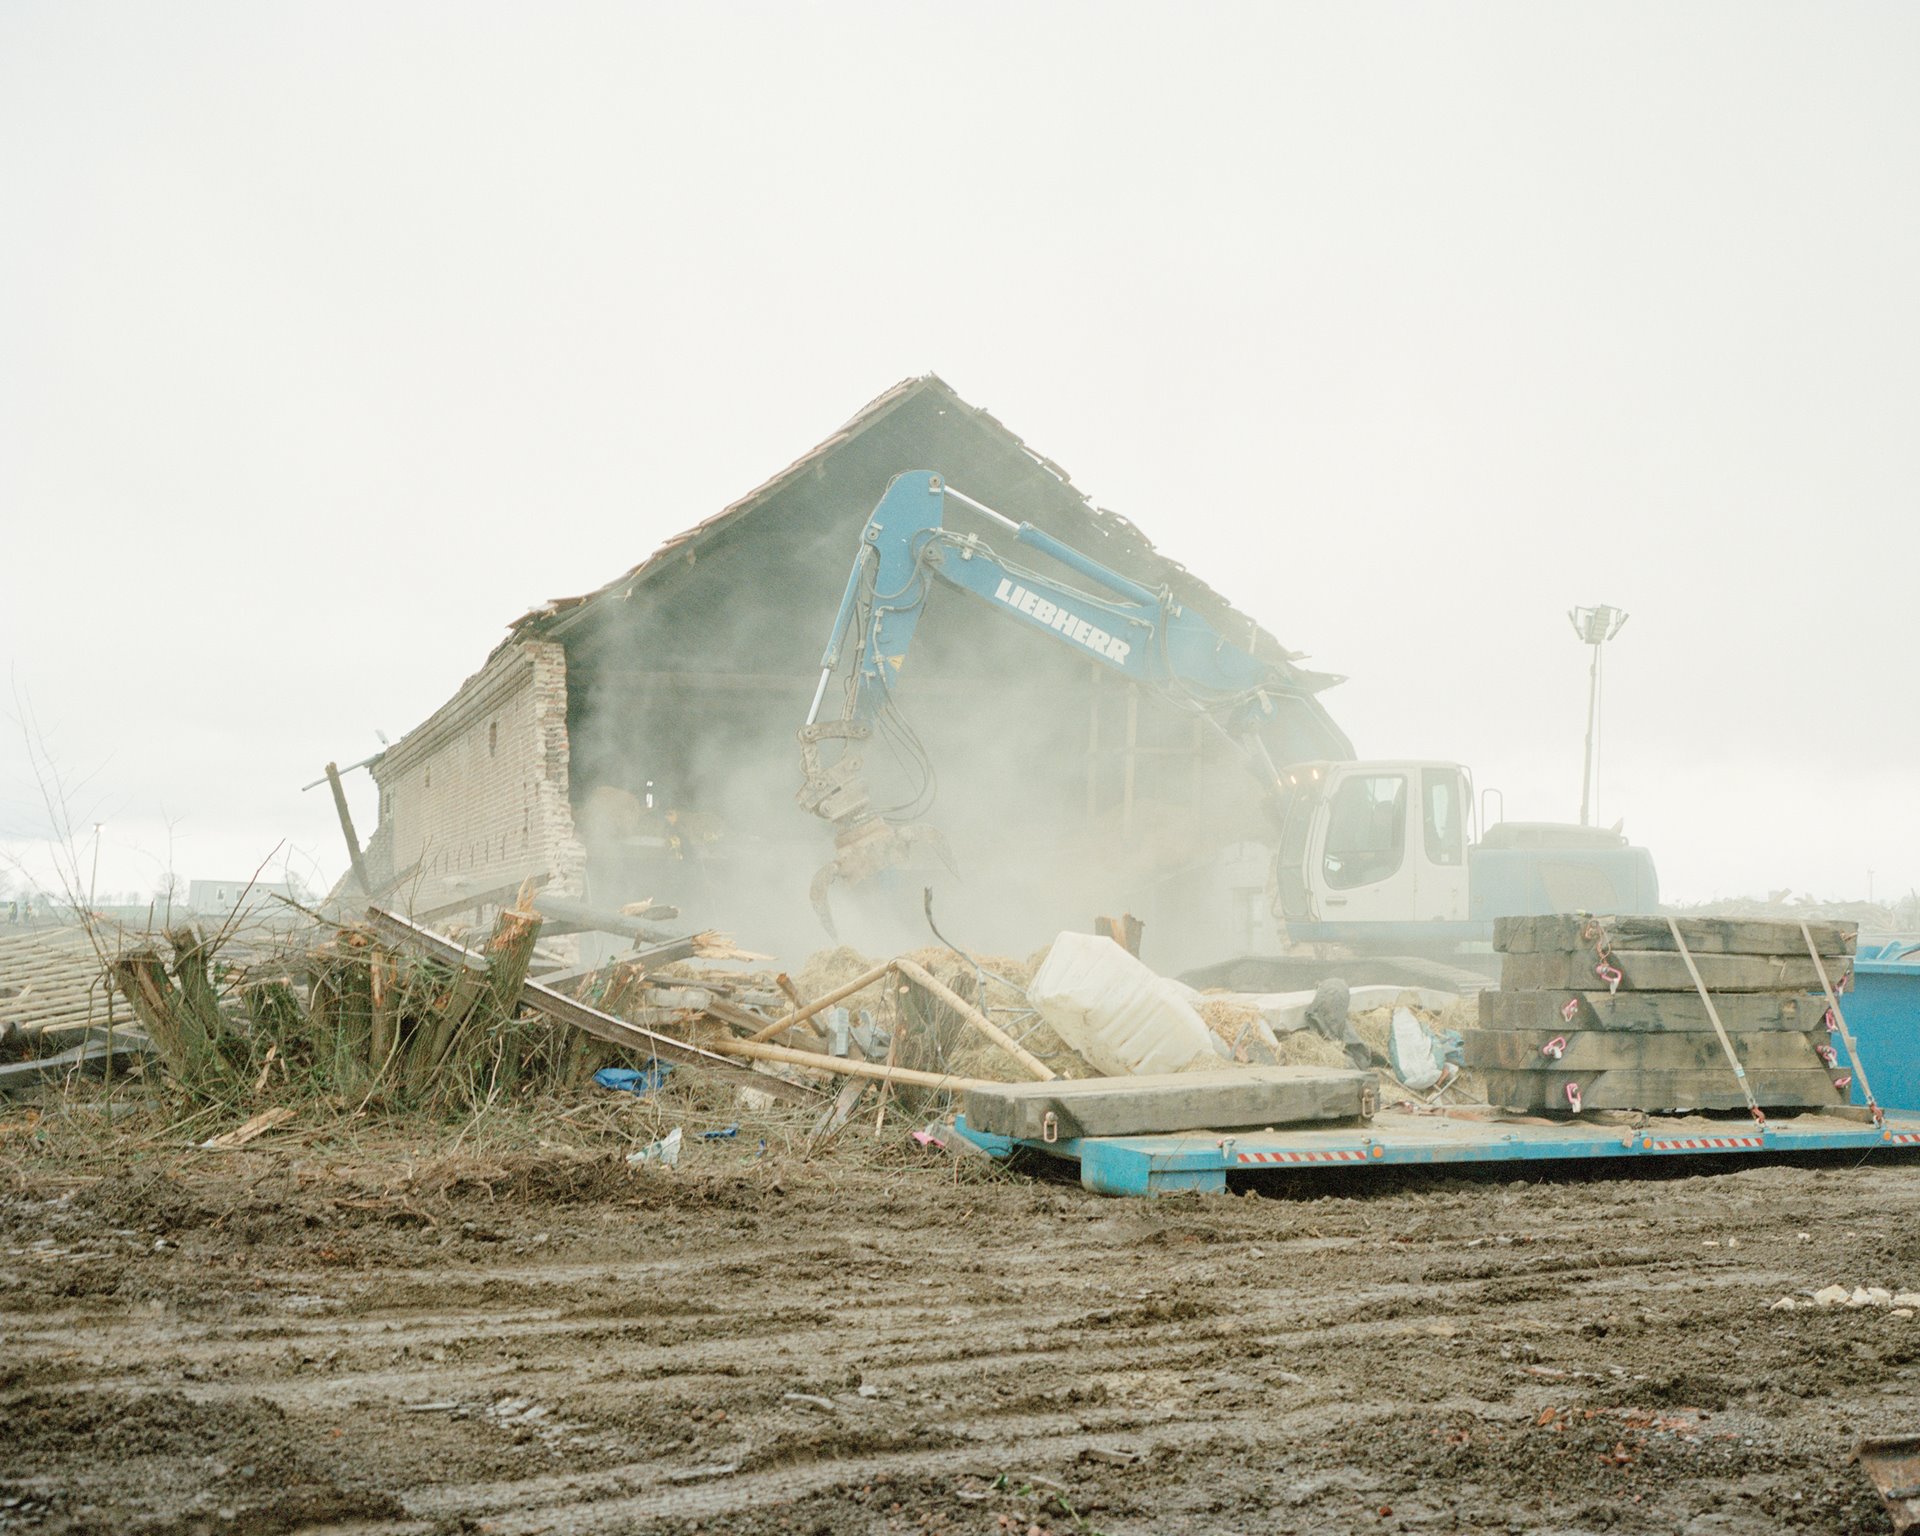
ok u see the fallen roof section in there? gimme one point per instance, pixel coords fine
(52, 978)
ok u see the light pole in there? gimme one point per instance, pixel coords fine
(1595, 627)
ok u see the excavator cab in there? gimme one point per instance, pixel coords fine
(1376, 842)
(1387, 851)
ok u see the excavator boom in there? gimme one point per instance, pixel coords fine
(1141, 632)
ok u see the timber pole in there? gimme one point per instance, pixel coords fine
(346, 828)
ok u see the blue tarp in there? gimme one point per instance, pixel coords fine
(630, 1080)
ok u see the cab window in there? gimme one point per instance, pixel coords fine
(1441, 817)
(1366, 831)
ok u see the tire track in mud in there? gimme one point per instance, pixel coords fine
(606, 1379)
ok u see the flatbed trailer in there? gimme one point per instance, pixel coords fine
(1399, 1138)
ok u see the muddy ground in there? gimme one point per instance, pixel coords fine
(412, 1336)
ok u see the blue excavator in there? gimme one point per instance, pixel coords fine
(1142, 633)
(1374, 856)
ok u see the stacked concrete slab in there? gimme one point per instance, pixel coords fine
(1158, 1103)
(1602, 1013)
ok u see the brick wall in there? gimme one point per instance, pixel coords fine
(477, 796)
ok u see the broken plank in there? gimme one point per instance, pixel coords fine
(841, 1110)
(658, 954)
(1574, 932)
(1646, 970)
(566, 916)
(733, 1015)
(1660, 1091)
(1647, 1012)
(543, 999)
(1158, 1103)
(1594, 1050)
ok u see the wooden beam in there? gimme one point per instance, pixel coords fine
(846, 1066)
(86, 1056)
(1707, 1088)
(1713, 1013)
(1160, 1103)
(1650, 970)
(800, 1015)
(596, 920)
(492, 896)
(659, 954)
(346, 828)
(1601, 1050)
(832, 1119)
(1645, 1012)
(1568, 932)
(980, 1022)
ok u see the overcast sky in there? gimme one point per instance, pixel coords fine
(333, 337)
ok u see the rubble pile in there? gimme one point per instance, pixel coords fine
(388, 1010)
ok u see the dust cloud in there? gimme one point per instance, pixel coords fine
(1014, 752)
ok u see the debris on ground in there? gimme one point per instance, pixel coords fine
(1854, 1296)
(1892, 1465)
(1118, 1014)
(665, 1151)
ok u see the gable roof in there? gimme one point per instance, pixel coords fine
(1112, 537)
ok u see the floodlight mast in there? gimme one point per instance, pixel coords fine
(1595, 627)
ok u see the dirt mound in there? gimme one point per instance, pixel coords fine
(113, 1461)
(1599, 1463)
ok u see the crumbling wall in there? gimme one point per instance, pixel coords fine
(478, 795)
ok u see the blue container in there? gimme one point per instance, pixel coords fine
(1883, 1011)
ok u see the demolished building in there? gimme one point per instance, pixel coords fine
(639, 741)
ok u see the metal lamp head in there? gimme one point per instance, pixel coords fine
(1596, 626)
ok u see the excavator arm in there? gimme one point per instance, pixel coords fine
(1142, 633)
